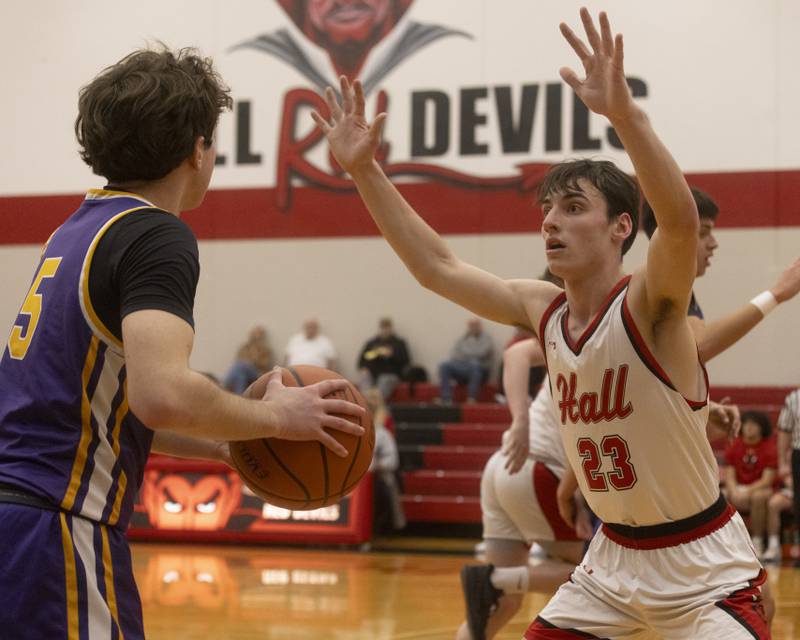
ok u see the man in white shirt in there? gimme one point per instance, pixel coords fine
(310, 347)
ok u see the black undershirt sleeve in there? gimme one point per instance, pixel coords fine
(146, 260)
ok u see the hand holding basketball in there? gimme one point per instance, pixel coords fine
(303, 413)
(290, 469)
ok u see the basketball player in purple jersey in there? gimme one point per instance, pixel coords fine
(96, 369)
(630, 393)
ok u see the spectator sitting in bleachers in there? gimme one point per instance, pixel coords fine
(469, 362)
(253, 359)
(310, 346)
(388, 512)
(383, 360)
(751, 462)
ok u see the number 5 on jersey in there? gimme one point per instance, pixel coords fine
(621, 476)
(20, 339)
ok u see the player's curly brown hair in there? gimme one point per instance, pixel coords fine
(140, 118)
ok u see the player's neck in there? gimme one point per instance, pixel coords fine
(167, 193)
(586, 296)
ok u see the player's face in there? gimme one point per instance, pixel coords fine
(577, 233)
(348, 20)
(706, 245)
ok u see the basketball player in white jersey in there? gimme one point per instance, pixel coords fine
(672, 556)
(519, 507)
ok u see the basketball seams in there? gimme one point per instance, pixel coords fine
(286, 470)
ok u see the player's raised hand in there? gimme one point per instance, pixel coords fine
(788, 284)
(353, 140)
(604, 90)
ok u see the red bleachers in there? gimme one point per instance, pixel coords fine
(443, 457)
(478, 434)
(442, 482)
(455, 509)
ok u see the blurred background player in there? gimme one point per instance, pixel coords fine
(519, 507)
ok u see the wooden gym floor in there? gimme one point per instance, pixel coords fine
(277, 593)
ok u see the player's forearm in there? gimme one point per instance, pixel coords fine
(187, 403)
(719, 335)
(182, 446)
(661, 179)
(516, 377)
(419, 247)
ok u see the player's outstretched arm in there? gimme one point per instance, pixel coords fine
(717, 336)
(353, 141)
(671, 259)
(165, 394)
(517, 362)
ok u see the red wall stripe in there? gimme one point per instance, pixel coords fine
(746, 199)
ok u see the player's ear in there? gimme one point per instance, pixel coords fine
(623, 226)
(199, 150)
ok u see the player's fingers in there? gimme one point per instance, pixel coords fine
(326, 387)
(341, 424)
(274, 381)
(619, 52)
(333, 104)
(574, 41)
(570, 77)
(331, 443)
(605, 33)
(343, 407)
(591, 31)
(321, 122)
(347, 94)
(376, 129)
(358, 93)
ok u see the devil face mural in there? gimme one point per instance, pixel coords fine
(346, 29)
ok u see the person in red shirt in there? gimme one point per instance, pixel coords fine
(751, 463)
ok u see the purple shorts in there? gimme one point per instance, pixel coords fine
(62, 576)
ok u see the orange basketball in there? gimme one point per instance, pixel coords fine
(306, 475)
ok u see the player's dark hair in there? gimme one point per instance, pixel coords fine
(549, 276)
(761, 419)
(140, 118)
(706, 208)
(618, 188)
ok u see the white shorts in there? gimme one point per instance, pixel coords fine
(683, 585)
(521, 506)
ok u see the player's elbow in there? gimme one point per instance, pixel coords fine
(157, 408)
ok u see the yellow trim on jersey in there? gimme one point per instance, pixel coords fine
(86, 302)
(86, 428)
(71, 579)
(122, 483)
(108, 571)
(102, 194)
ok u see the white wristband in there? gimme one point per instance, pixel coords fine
(765, 302)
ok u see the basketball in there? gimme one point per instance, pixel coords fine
(306, 475)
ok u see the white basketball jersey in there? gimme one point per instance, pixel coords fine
(545, 435)
(638, 447)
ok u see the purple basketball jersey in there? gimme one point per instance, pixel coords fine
(66, 432)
